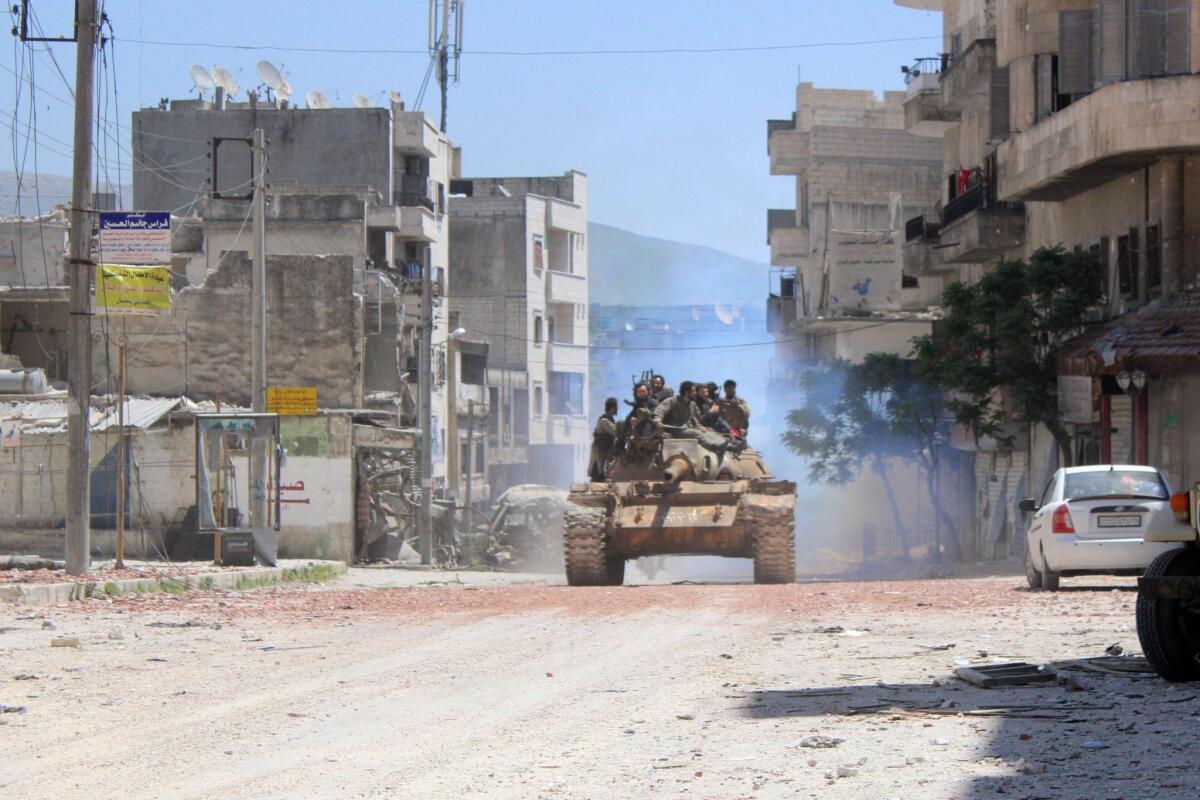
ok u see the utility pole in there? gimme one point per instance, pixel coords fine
(470, 464)
(258, 287)
(425, 409)
(121, 456)
(79, 268)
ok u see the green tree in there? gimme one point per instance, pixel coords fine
(1003, 333)
(867, 416)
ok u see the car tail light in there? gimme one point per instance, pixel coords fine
(1181, 505)
(1061, 522)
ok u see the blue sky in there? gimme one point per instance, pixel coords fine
(674, 144)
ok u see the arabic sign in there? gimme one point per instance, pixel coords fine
(135, 237)
(292, 401)
(135, 291)
(865, 270)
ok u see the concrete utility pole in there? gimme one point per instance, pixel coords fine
(258, 449)
(79, 270)
(425, 409)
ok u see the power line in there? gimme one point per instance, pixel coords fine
(523, 53)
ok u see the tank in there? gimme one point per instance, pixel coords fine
(666, 495)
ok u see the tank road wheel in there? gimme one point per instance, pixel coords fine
(774, 554)
(1170, 633)
(587, 559)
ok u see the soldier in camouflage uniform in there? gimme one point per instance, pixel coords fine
(679, 412)
(735, 410)
(604, 440)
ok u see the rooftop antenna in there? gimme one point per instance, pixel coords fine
(201, 78)
(362, 101)
(445, 43)
(394, 96)
(271, 77)
(224, 78)
(315, 99)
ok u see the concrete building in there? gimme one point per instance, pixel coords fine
(1072, 123)
(857, 172)
(395, 162)
(519, 282)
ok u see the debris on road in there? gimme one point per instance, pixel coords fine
(64, 642)
(12, 709)
(817, 741)
(1013, 673)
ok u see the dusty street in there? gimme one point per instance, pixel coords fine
(364, 689)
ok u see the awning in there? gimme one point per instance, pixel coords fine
(1162, 337)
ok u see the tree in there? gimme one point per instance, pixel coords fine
(866, 416)
(1003, 333)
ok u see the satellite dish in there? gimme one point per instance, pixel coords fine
(725, 312)
(394, 97)
(315, 99)
(362, 101)
(284, 91)
(224, 78)
(269, 75)
(201, 78)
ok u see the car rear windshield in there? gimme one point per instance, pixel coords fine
(1114, 482)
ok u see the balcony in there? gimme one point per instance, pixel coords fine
(413, 134)
(564, 357)
(387, 218)
(789, 241)
(975, 229)
(967, 81)
(565, 216)
(1115, 130)
(787, 147)
(417, 222)
(925, 115)
(565, 287)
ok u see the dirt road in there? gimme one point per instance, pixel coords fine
(357, 690)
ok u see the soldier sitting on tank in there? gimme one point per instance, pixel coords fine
(659, 389)
(677, 416)
(642, 404)
(708, 413)
(734, 410)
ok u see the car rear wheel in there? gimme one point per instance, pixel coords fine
(1170, 633)
(1032, 576)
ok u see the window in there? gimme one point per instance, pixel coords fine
(550, 329)
(1048, 495)
(1100, 252)
(566, 393)
(519, 423)
(473, 367)
(537, 328)
(539, 255)
(1153, 260)
(493, 423)
(1114, 483)
(538, 400)
(906, 282)
(1126, 272)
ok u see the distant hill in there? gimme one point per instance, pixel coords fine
(52, 190)
(626, 268)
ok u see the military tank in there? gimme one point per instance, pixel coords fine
(668, 495)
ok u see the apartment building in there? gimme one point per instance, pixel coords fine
(1075, 123)
(858, 173)
(376, 181)
(519, 283)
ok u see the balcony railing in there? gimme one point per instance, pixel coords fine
(921, 227)
(925, 66)
(970, 200)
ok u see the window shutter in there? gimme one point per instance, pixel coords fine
(1178, 26)
(1075, 52)
(998, 105)
(1108, 41)
(1149, 40)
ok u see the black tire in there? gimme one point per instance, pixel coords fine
(585, 549)
(1169, 633)
(1032, 576)
(774, 554)
(1050, 581)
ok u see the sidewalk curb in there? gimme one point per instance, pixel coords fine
(50, 594)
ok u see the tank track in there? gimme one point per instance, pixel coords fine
(586, 554)
(774, 546)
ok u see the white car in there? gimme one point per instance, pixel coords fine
(1093, 520)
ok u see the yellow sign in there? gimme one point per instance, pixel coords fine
(292, 401)
(142, 291)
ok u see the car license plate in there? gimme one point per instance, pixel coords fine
(1113, 521)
